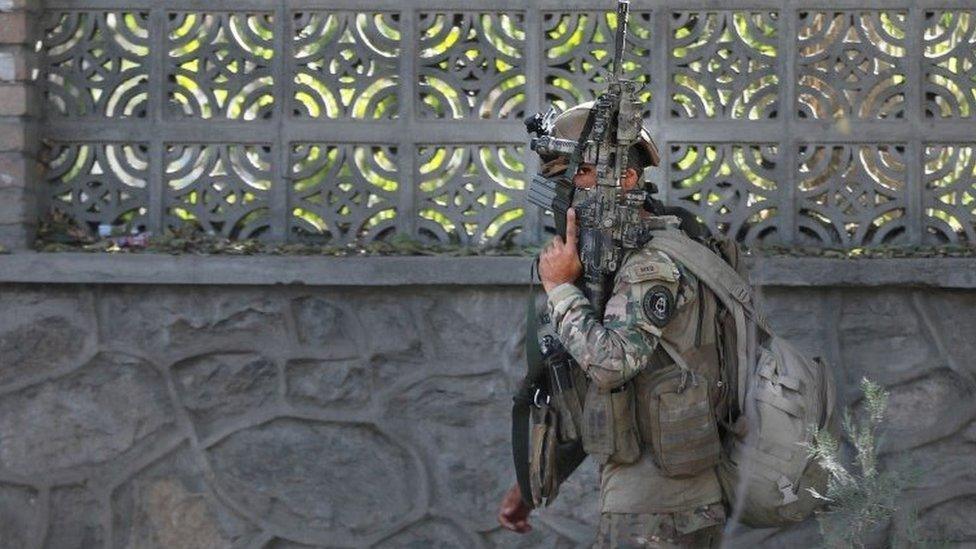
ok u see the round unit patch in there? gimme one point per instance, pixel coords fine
(658, 304)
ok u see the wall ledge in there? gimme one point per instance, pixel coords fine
(99, 268)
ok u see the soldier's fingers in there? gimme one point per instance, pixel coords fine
(507, 522)
(546, 252)
(571, 227)
(557, 243)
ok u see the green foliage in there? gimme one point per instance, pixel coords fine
(861, 496)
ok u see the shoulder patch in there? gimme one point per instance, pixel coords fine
(658, 305)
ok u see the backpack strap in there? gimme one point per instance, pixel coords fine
(734, 292)
(707, 265)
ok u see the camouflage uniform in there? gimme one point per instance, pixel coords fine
(700, 527)
(640, 506)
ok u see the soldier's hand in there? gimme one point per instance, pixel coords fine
(559, 262)
(513, 514)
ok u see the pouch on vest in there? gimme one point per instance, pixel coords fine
(684, 433)
(542, 455)
(598, 424)
(610, 431)
(568, 385)
(626, 435)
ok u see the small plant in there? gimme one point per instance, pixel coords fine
(861, 497)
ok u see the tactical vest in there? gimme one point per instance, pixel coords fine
(667, 408)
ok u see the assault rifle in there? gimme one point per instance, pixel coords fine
(609, 220)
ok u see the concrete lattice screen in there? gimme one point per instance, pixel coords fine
(341, 121)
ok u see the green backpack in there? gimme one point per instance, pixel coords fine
(783, 399)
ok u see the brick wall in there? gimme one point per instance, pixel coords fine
(19, 167)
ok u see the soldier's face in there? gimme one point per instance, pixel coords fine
(585, 178)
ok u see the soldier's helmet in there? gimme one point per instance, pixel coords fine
(569, 125)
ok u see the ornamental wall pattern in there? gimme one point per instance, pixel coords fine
(346, 122)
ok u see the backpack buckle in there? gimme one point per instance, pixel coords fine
(786, 489)
(740, 293)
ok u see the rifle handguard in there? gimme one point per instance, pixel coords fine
(555, 195)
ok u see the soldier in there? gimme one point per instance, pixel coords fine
(653, 300)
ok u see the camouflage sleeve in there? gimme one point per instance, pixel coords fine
(618, 348)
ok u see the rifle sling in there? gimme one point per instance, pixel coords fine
(523, 397)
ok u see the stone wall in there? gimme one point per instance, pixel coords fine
(288, 416)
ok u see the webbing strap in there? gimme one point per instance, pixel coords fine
(743, 356)
(672, 352)
(680, 362)
(697, 435)
(674, 415)
(781, 403)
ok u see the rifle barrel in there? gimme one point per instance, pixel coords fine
(623, 15)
